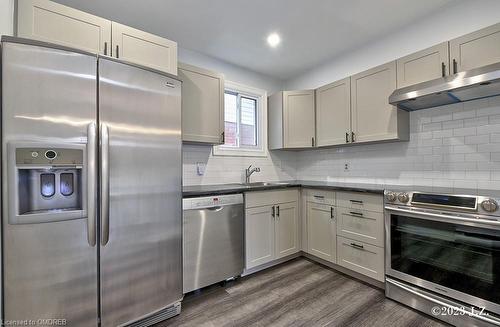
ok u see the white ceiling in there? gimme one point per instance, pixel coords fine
(312, 31)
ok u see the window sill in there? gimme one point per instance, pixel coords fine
(228, 152)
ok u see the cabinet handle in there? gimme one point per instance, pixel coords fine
(352, 137)
(312, 141)
(223, 137)
(455, 66)
(117, 52)
(105, 48)
(319, 196)
(356, 201)
(331, 212)
(358, 246)
(277, 211)
(346, 137)
(356, 213)
(273, 212)
(443, 69)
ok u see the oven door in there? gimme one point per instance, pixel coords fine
(458, 257)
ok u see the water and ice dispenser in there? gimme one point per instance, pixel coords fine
(46, 183)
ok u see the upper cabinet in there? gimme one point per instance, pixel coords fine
(333, 113)
(424, 65)
(291, 120)
(51, 22)
(202, 105)
(476, 49)
(373, 118)
(144, 48)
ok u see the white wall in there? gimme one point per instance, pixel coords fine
(6, 17)
(465, 17)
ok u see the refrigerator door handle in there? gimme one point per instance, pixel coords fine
(91, 183)
(104, 184)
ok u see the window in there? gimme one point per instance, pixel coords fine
(240, 120)
(243, 121)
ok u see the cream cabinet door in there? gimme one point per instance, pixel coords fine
(424, 65)
(373, 118)
(202, 105)
(51, 22)
(476, 49)
(333, 113)
(259, 236)
(321, 231)
(298, 119)
(144, 48)
(286, 229)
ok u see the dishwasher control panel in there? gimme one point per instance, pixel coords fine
(211, 201)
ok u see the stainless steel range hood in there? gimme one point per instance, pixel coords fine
(473, 84)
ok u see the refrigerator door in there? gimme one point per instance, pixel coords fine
(141, 201)
(49, 265)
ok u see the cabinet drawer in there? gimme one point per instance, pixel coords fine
(361, 225)
(361, 201)
(257, 199)
(361, 257)
(320, 196)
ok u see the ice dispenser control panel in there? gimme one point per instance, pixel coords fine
(48, 156)
(46, 183)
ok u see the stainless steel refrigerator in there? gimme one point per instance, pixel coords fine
(91, 188)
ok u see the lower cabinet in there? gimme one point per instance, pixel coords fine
(271, 226)
(322, 231)
(361, 257)
(343, 228)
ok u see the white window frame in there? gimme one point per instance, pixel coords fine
(261, 149)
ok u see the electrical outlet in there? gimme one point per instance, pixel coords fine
(346, 167)
(200, 168)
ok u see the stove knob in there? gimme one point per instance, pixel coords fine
(403, 197)
(390, 196)
(489, 205)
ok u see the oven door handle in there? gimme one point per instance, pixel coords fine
(439, 302)
(445, 218)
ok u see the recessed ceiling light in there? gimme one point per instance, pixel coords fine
(273, 39)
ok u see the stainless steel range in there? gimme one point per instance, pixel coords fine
(443, 255)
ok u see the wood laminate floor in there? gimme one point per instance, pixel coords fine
(297, 293)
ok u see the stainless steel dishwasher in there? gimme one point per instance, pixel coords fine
(213, 234)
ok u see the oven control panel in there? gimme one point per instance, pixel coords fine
(451, 202)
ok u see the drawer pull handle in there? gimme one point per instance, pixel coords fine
(356, 201)
(357, 246)
(356, 213)
(319, 196)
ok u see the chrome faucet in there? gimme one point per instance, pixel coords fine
(249, 171)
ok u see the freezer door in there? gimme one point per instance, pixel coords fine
(141, 201)
(50, 268)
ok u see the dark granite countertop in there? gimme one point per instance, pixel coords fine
(220, 189)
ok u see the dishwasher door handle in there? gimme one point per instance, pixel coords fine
(216, 209)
